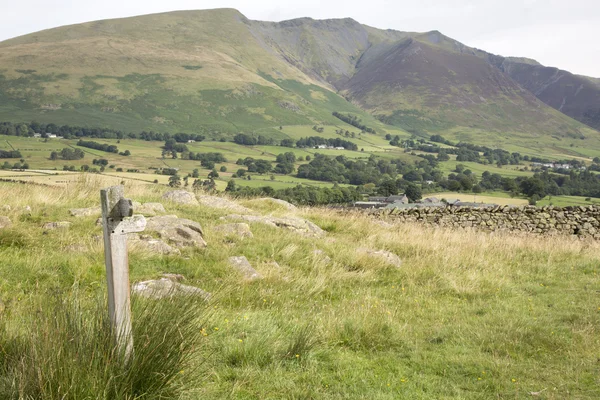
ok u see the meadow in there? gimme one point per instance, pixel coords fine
(467, 315)
(146, 158)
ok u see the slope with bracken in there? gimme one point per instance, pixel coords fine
(216, 71)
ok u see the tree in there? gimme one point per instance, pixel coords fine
(388, 188)
(413, 192)
(213, 174)
(195, 173)
(443, 156)
(223, 168)
(230, 186)
(175, 181)
(54, 156)
(533, 186)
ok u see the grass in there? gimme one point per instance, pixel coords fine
(469, 315)
(499, 198)
(69, 351)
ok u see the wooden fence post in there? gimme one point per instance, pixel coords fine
(117, 221)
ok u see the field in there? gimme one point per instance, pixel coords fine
(467, 315)
(146, 158)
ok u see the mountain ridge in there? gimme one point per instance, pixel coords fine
(216, 70)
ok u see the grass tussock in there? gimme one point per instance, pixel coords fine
(68, 352)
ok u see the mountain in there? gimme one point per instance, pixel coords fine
(218, 72)
(574, 95)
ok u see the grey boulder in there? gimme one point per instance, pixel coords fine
(181, 197)
(242, 265)
(180, 232)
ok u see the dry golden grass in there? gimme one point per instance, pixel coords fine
(468, 315)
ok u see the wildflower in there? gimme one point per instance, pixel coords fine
(181, 372)
(513, 379)
(403, 380)
(216, 329)
(478, 379)
(297, 355)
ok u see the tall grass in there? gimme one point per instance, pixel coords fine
(69, 352)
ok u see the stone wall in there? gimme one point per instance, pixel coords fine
(550, 220)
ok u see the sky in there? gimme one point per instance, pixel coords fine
(558, 33)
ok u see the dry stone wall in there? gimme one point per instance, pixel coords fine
(576, 220)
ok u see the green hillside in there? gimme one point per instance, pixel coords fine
(216, 72)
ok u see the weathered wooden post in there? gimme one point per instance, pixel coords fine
(117, 221)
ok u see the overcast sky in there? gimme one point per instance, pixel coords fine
(564, 34)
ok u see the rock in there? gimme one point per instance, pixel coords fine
(149, 209)
(85, 212)
(295, 224)
(181, 197)
(173, 277)
(6, 208)
(283, 203)
(388, 256)
(241, 230)
(26, 210)
(179, 231)
(223, 203)
(242, 264)
(57, 225)
(321, 255)
(154, 246)
(164, 287)
(5, 222)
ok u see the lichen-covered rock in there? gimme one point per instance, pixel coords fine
(222, 203)
(321, 256)
(164, 288)
(242, 265)
(85, 212)
(5, 222)
(181, 197)
(387, 256)
(180, 232)
(282, 203)
(153, 246)
(241, 230)
(149, 209)
(57, 225)
(294, 224)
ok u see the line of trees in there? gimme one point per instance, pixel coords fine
(10, 154)
(90, 144)
(354, 121)
(299, 195)
(71, 132)
(67, 154)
